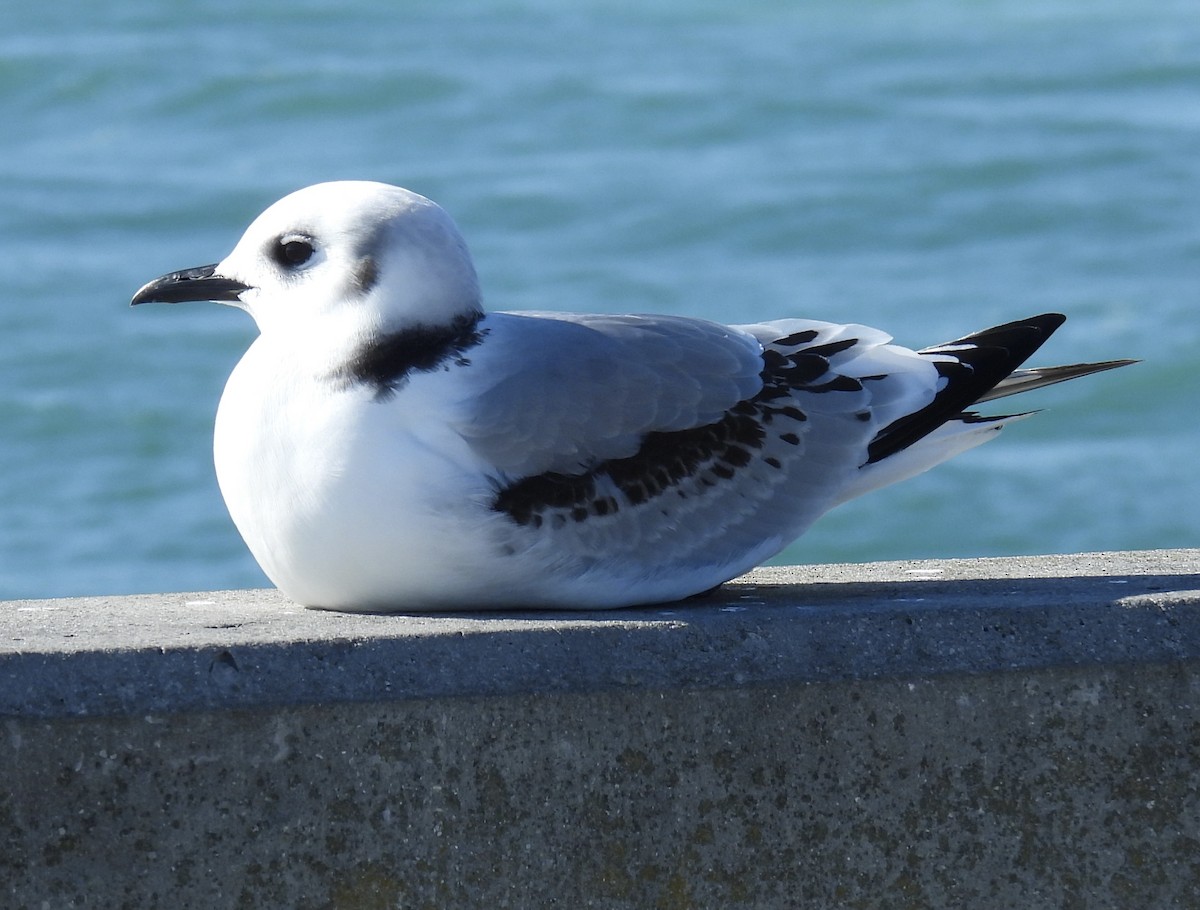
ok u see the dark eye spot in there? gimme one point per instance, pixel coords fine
(292, 252)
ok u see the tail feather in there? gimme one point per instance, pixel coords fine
(1040, 377)
(952, 438)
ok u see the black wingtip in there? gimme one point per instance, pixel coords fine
(973, 366)
(1019, 338)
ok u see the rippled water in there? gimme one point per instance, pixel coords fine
(927, 167)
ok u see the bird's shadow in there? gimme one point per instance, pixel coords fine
(1077, 591)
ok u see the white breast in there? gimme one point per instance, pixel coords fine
(342, 499)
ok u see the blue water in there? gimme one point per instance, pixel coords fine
(927, 166)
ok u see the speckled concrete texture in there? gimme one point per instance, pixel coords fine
(990, 733)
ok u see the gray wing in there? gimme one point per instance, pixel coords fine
(646, 450)
(659, 441)
(561, 392)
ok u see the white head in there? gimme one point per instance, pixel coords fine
(350, 257)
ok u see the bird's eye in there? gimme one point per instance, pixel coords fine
(292, 252)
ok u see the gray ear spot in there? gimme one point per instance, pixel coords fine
(365, 274)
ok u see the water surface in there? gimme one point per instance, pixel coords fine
(927, 167)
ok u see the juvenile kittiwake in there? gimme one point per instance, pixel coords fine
(386, 445)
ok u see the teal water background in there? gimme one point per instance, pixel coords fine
(926, 166)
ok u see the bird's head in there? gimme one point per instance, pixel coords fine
(349, 256)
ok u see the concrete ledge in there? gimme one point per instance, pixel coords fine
(166, 653)
(1001, 732)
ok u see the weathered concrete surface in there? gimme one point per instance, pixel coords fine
(989, 733)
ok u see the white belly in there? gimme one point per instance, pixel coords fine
(344, 501)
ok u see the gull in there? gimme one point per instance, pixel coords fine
(386, 445)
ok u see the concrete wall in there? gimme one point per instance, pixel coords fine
(986, 733)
